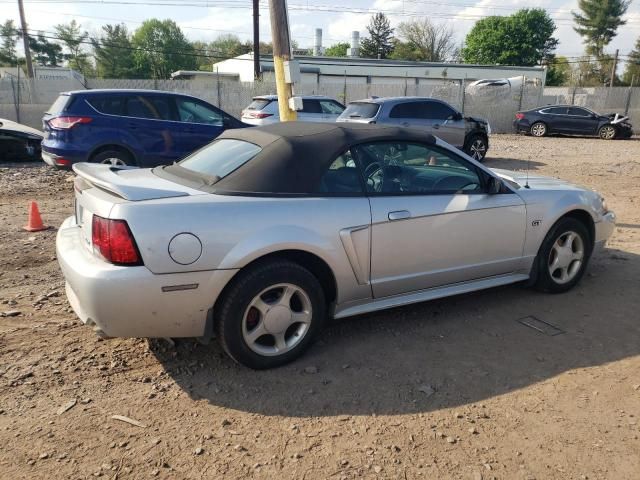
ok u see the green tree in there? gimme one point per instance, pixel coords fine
(598, 22)
(559, 72)
(380, 40)
(113, 52)
(228, 46)
(524, 38)
(337, 50)
(162, 48)
(9, 37)
(73, 38)
(421, 40)
(633, 66)
(45, 53)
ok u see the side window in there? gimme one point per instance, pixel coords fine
(557, 110)
(311, 106)
(138, 107)
(109, 105)
(330, 107)
(406, 110)
(579, 112)
(193, 111)
(156, 108)
(411, 168)
(436, 111)
(342, 177)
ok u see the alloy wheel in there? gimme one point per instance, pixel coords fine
(114, 161)
(566, 257)
(478, 149)
(538, 130)
(607, 132)
(277, 319)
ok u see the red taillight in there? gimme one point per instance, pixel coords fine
(256, 115)
(113, 240)
(63, 162)
(519, 116)
(65, 123)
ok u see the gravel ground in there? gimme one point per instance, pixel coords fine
(455, 388)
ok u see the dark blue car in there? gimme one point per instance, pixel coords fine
(129, 127)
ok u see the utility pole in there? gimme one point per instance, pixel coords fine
(256, 40)
(25, 39)
(281, 54)
(613, 69)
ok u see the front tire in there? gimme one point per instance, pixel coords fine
(538, 129)
(563, 256)
(477, 147)
(270, 314)
(607, 132)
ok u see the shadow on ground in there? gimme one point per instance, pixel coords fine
(512, 164)
(432, 355)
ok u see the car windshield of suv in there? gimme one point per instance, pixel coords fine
(360, 110)
(220, 158)
(258, 104)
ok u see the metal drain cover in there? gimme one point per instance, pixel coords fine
(540, 326)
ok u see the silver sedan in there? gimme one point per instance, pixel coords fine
(265, 233)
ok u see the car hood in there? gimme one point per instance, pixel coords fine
(21, 130)
(535, 182)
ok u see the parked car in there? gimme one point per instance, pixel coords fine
(266, 232)
(263, 110)
(18, 142)
(129, 127)
(470, 134)
(572, 120)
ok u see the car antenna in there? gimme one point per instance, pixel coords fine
(526, 184)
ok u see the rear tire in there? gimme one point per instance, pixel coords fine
(607, 132)
(538, 129)
(270, 314)
(477, 147)
(563, 256)
(114, 157)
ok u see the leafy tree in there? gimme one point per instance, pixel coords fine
(380, 40)
(162, 49)
(228, 46)
(524, 38)
(9, 37)
(337, 49)
(73, 38)
(598, 22)
(422, 40)
(113, 52)
(559, 72)
(45, 53)
(633, 65)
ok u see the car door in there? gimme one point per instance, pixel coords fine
(199, 124)
(445, 122)
(581, 121)
(556, 119)
(331, 110)
(432, 222)
(409, 114)
(147, 123)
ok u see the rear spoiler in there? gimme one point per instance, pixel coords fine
(106, 177)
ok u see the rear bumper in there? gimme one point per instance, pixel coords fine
(521, 125)
(130, 301)
(61, 159)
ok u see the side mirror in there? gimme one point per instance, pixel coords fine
(227, 122)
(455, 117)
(494, 186)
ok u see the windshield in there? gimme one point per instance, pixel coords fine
(59, 105)
(220, 158)
(360, 110)
(258, 104)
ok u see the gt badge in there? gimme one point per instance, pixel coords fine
(536, 223)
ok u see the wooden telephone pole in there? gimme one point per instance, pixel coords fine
(281, 54)
(25, 39)
(613, 69)
(256, 40)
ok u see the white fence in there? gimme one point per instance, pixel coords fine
(26, 100)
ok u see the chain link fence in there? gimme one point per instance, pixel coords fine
(26, 100)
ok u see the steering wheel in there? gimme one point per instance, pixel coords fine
(372, 168)
(373, 176)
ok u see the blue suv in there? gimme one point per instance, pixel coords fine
(143, 128)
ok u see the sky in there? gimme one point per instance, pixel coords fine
(206, 19)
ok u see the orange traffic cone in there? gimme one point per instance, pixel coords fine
(35, 221)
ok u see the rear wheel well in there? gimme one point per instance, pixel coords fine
(118, 148)
(311, 262)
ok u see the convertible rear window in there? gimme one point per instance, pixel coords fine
(220, 158)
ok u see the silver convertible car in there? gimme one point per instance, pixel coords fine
(261, 236)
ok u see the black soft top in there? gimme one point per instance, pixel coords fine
(295, 155)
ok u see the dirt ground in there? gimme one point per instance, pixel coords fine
(456, 388)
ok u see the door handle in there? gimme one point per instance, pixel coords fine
(405, 124)
(436, 126)
(399, 215)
